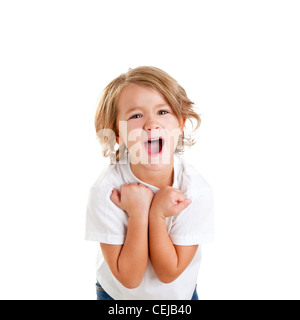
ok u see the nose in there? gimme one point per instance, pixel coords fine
(151, 125)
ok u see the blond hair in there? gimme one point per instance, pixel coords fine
(107, 110)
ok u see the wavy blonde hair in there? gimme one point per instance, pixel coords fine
(107, 110)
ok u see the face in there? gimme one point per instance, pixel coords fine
(147, 125)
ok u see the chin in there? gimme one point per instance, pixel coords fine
(155, 163)
(156, 167)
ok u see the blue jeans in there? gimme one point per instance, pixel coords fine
(102, 295)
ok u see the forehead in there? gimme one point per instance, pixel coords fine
(135, 95)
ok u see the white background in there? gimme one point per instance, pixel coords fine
(239, 63)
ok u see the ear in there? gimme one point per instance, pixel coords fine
(183, 124)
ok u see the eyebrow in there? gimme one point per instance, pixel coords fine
(139, 107)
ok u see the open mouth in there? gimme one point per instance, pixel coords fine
(154, 147)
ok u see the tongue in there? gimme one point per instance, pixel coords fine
(154, 147)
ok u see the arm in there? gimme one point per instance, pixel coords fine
(128, 262)
(168, 260)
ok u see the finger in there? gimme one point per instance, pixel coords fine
(115, 198)
(182, 205)
(178, 197)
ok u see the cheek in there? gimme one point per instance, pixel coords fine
(122, 132)
(173, 127)
(172, 121)
(131, 132)
(132, 125)
(173, 132)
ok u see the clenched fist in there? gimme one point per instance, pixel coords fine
(133, 198)
(169, 202)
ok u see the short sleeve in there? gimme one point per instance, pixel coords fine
(105, 222)
(195, 224)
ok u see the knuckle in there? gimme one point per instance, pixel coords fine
(150, 192)
(133, 184)
(124, 187)
(167, 190)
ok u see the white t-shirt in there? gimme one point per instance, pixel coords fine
(106, 223)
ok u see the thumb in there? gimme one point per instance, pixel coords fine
(115, 198)
(182, 205)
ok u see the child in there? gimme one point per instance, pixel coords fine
(150, 209)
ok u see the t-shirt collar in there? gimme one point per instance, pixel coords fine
(131, 178)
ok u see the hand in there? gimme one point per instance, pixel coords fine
(135, 199)
(169, 202)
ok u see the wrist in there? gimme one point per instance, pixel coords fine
(141, 216)
(157, 214)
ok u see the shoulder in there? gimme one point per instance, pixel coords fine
(192, 181)
(100, 190)
(109, 176)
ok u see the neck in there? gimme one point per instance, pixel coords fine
(157, 178)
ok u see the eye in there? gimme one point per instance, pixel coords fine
(164, 111)
(136, 115)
